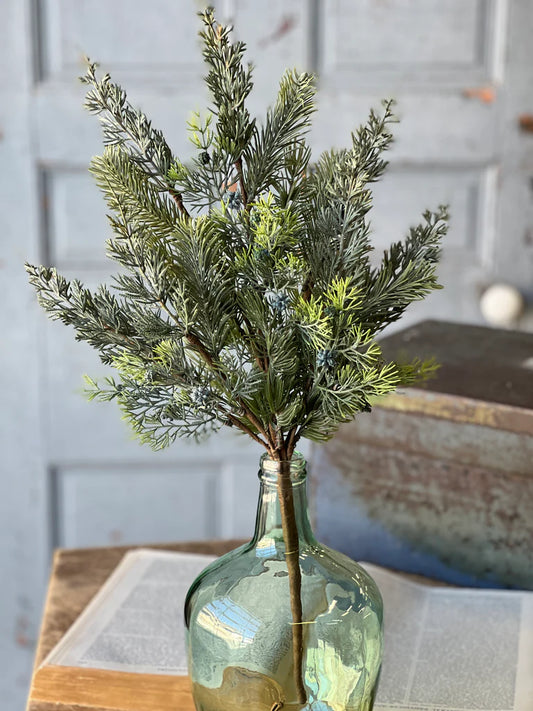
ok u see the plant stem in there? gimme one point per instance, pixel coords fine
(240, 425)
(198, 345)
(244, 194)
(292, 557)
(178, 199)
(288, 517)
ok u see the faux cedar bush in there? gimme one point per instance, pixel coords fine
(247, 297)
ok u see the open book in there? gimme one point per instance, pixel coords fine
(467, 650)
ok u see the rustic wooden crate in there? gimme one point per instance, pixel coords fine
(438, 479)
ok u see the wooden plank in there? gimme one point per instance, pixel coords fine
(112, 690)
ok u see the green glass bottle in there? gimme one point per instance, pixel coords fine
(243, 655)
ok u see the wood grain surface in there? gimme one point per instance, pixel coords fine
(77, 575)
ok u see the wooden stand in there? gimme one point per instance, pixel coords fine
(77, 575)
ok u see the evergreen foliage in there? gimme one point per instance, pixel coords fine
(246, 296)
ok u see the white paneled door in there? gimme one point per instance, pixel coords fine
(71, 474)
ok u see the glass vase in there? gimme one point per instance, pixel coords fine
(272, 627)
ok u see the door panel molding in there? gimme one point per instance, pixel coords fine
(423, 42)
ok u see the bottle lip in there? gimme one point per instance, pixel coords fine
(269, 468)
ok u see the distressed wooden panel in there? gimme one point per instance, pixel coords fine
(78, 227)
(461, 277)
(443, 518)
(440, 438)
(435, 127)
(440, 491)
(238, 483)
(405, 193)
(111, 506)
(23, 534)
(67, 415)
(425, 133)
(279, 40)
(15, 55)
(515, 218)
(77, 224)
(419, 40)
(73, 140)
(123, 36)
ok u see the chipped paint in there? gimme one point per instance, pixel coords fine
(525, 121)
(473, 519)
(486, 94)
(286, 25)
(115, 537)
(23, 638)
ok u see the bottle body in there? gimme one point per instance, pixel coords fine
(240, 622)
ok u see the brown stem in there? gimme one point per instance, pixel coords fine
(240, 425)
(253, 419)
(197, 343)
(244, 194)
(292, 557)
(194, 340)
(264, 361)
(178, 199)
(291, 442)
(272, 433)
(307, 288)
(258, 360)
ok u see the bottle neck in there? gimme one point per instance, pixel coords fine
(268, 526)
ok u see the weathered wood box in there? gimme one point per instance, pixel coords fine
(438, 479)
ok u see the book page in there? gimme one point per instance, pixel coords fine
(135, 622)
(454, 649)
(446, 649)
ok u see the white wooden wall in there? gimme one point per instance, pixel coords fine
(71, 476)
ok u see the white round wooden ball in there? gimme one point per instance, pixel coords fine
(501, 304)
